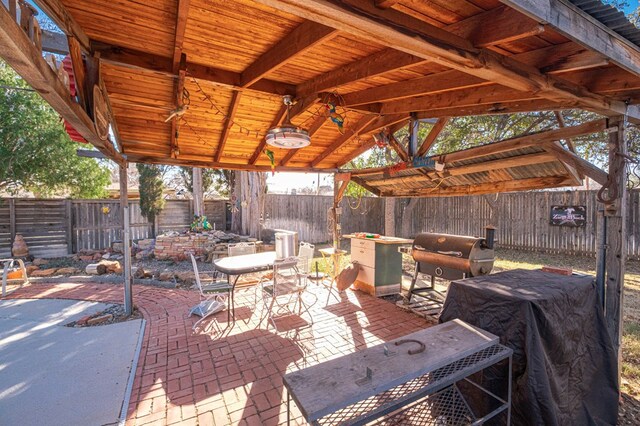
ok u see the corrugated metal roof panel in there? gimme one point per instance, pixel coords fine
(610, 17)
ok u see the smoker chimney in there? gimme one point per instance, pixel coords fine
(489, 237)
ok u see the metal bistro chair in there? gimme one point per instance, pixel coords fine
(211, 297)
(238, 249)
(306, 252)
(282, 290)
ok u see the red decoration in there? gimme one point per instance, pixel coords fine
(73, 133)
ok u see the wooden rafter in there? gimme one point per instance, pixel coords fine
(313, 129)
(361, 18)
(300, 40)
(385, 121)
(546, 58)
(178, 67)
(389, 60)
(280, 115)
(560, 120)
(577, 25)
(348, 135)
(27, 60)
(495, 108)
(395, 145)
(580, 164)
(136, 59)
(59, 14)
(182, 13)
(226, 128)
(431, 137)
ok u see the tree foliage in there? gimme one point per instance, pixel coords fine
(37, 154)
(213, 180)
(151, 186)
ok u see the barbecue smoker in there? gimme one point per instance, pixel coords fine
(450, 257)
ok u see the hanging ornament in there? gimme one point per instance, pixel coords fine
(272, 159)
(335, 117)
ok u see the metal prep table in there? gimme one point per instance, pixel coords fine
(385, 384)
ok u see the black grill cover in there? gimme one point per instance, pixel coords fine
(564, 364)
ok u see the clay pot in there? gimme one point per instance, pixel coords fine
(19, 248)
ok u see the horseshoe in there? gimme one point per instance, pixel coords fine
(412, 351)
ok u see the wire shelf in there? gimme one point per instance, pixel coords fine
(444, 408)
(402, 395)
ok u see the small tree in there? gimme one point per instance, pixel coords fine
(150, 185)
(217, 180)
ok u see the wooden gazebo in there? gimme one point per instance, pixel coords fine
(199, 83)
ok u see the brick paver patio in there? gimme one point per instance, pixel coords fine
(204, 379)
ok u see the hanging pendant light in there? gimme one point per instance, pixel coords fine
(288, 136)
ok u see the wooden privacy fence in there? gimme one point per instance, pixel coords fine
(522, 219)
(59, 227)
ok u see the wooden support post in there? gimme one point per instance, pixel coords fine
(69, 228)
(340, 182)
(414, 125)
(198, 198)
(390, 217)
(12, 219)
(126, 242)
(616, 255)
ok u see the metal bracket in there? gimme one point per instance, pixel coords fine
(366, 379)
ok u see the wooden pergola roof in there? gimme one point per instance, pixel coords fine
(380, 61)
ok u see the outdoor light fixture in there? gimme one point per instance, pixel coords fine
(287, 135)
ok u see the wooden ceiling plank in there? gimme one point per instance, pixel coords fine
(313, 129)
(386, 4)
(23, 56)
(226, 128)
(372, 65)
(348, 135)
(430, 139)
(303, 38)
(280, 116)
(362, 19)
(58, 13)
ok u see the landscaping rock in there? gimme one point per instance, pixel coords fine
(97, 256)
(83, 320)
(106, 256)
(68, 271)
(86, 258)
(100, 319)
(31, 268)
(44, 272)
(40, 262)
(141, 273)
(113, 266)
(187, 277)
(166, 276)
(117, 247)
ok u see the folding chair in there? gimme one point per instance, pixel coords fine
(212, 298)
(283, 289)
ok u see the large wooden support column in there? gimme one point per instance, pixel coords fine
(126, 241)
(616, 233)
(390, 216)
(340, 182)
(198, 197)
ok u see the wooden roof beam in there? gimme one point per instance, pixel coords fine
(226, 128)
(313, 129)
(23, 56)
(303, 38)
(560, 120)
(385, 121)
(58, 13)
(362, 19)
(573, 57)
(573, 160)
(577, 25)
(348, 135)
(502, 30)
(132, 58)
(495, 108)
(430, 139)
(277, 120)
(182, 13)
(395, 145)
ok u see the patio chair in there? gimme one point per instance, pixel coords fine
(212, 297)
(283, 290)
(306, 252)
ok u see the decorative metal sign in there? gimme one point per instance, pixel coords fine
(424, 162)
(574, 216)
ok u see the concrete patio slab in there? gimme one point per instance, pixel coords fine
(58, 375)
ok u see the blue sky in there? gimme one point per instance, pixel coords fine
(633, 5)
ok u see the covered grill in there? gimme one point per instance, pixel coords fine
(451, 257)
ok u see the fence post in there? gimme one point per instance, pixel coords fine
(69, 228)
(12, 219)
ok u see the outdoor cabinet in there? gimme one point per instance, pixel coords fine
(380, 264)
